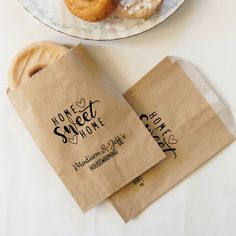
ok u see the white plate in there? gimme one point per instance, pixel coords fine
(55, 14)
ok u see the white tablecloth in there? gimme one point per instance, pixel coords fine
(33, 202)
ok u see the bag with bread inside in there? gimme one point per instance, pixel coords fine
(87, 131)
(187, 120)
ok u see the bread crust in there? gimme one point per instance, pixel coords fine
(91, 10)
(32, 59)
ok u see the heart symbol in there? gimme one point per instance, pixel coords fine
(73, 140)
(172, 139)
(81, 103)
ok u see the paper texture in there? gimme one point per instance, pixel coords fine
(85, 128)
(187, 121)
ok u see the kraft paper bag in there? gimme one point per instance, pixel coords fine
(87, 131)
(188, 122)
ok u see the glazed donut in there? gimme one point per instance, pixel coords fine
(137, 9)
(31, 60)
(91, 10)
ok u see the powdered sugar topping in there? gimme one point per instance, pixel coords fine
(134, 6)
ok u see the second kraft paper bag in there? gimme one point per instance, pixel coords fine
(87, 131)
(188, 122)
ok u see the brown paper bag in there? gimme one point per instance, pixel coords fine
(85, 128)
(188, 122)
